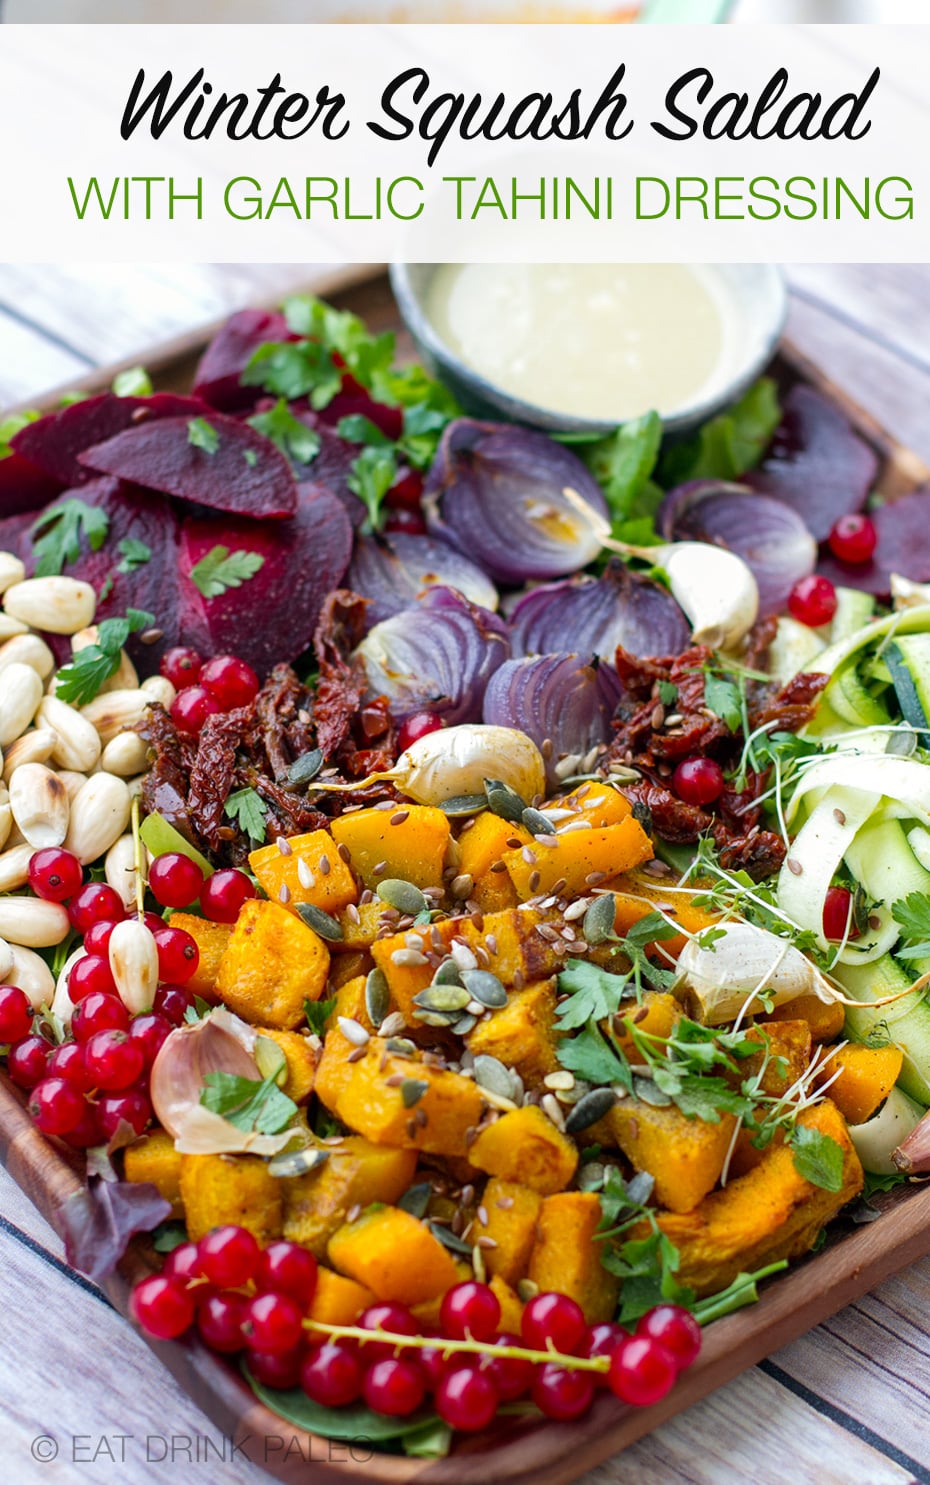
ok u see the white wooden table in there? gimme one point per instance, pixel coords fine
(846, 1403)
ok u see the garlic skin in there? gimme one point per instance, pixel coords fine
(715, 588)
(725, 980)
(908, 594)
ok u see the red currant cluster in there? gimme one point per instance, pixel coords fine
(85, 1088)
(254, 1302)
(206, 687)
(812, 600)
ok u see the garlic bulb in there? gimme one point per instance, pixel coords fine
(715, 588)
(457, 760)
(727, 978)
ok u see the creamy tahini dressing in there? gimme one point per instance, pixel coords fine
(592, 340)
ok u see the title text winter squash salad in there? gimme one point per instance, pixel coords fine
(492, 935)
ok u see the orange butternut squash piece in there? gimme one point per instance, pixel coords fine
(217, 1189)
(334, 1070)
(599, 804)
(356, 1173)
(414, 848)
(685, 1156)
(520, 949)
(211, 940)
(825, 1019)
(482, 846)
(512, 1211)
(407, 980)
(657, 1016)
(786, 1054)
(359, 928)
(567, 1254)
(271, 965)
(430, 1108)
(579, 855)
(394, 1255)
(300, 1059)
(639, 894)
(770, 1213)
(153, 1158)
(521, 1034)
(345, 966)
(350, 1002)
(511, 1305)
(338, 1300)
(866, 1077)
(524, 1146)
(331, 888)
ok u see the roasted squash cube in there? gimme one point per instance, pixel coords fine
(359, 927)
(524, 1146)
(334, 1070)
(511, 1305)
(407, 980)
(338, 1300)
(351, 1004)
(685, 1156)
(153, 1158)
(211, 940)
(521, 1034)
(785, 1056)
(825, 1018)
(356, 1173)
(301, 1061)
(414, 848)
(866, 1077)
(519, 949)
(394, 1255)
(579, 854)
(511, 1211)
(599, 804)
(400, 1100)
(272, 964)
(312, 871)
(567, 1254)
(482, 847)
(347, 965)
(637, 894)
(217, 1189)
(768, 1214)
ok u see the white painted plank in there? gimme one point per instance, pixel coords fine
(30, 363)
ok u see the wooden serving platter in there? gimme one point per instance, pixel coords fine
(517, 1452)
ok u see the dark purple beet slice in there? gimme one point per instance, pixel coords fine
(816, 462)
(272, 616)
(216, 379)
(23, 486)
(13, 531)
(54, 443)
(332, 464)
(903, 528)
(245, 474)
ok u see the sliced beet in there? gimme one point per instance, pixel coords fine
(354, 399)
(23, 486)
(216, 379)
(14, 531)
(332, 465)
(903, 546)
(54, 443)
(816, 462)
(272, 615)
(244, 474)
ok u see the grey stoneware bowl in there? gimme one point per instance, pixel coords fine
(757, 291)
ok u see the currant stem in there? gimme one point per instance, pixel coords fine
(449, 1347)
(139, 860)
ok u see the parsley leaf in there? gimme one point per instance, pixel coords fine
(728, 445)
(292, 369)
(359, 429)
(595, 994)
(221, 569)
(62, 526)
(912, 913)
(318, 1013)
(249, 811)
(133, 554)
(367, 356)
(593, 1059)
(133, 382)
(622, 465)
(817, 1157)
(13, 424)
(295, 440)
(722, 697)
(371, 476)
(203, 435)
(253, 1105)
(668, 693)
(81, 679)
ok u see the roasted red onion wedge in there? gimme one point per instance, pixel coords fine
(594, 615)
(393, 570)
(563, 702)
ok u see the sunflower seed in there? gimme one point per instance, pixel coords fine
(589, 1109)
(306, 767)
(442, 998)
(600, 918)
(493, 1076)
(353, 1031)
(646, 1091)
(412, 1090)
(558, 1080)
(550, 1107)
(403, 896)
(297, 1162)
(408, 958)
(377, 997)
(463, 957)
(485, 988)
(463, 804)
(321, 923)
(304, 874)
(504, 801)
(392, 1024)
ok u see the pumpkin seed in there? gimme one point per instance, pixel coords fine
(442, 998)
(448, 973)
(306, 767)
(449, 1239)
(591, 1176)
(485, 988)
(599, 920)
(442, 1019)
(401, 1046)
(589, 1109)
(536, 822)
(403, 896)
(377, 997)
(297, 1162)
(321, 923)
(463, 804)
(412, 1090)
(271, 1060)
(504, 801)
(640, 1187)
(464, 1025)
(646, 1091)
(415, 1199)
(494, 1076)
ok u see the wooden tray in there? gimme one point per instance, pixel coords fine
(531, 1450)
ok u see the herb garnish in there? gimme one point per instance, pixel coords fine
(295, 440)
(250, 813)
(81, 679)
(221, 569)
(253, 1105)
(62, 526)
(371, 476)
(133, 382)
(202, 435)
(133, 554)
(318, 1013)
(912, 914)
(596, 993)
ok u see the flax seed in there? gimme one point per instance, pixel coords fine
(519, 979)
(514, 842)
(284, 846)
(380, 868)
(344, 854)
(491, 942)
(795, 867)
(535, 880)
(498, 866)
(357, 1054)
(477, 920)
(324, 866)
(504, 1202)
(485, 1242)
(594, 878)
(411, 1129)
(483, 1216)
(400, 817)
(284, 893)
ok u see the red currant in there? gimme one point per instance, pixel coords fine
(97, 939)
(642, 1371)
(278, 1369)
(175, 880)
(224, 893)
(433, 1363)
(114, 1060)
(220, 1319)
(230, 681)
(853, 538)
(562, 1393)
(601, 1340)
(675, 1329)
(154, 922)
(98, 1012)
(467, 1398)
(470, 1310)
(812, 601)
(97, 902)
(132, 1107)
(178, 955)
(553, 1318)
(27, 1062)
(56, 1106)
(67, 1061)
(332, 1374)
(512, 1375)
(406, 493)
(409, 522)
(15, 1014)
(420, 724)
(287, 1268)
(55, 874)
(394, 1318)
(183, 1262)
(151, 1032)
(191, 708)
(181, 666)
(162, 1307)
(229, 1256)
(838, 914)
(394, 1386)
(87, 1130)
(91, 975)
(274, 1322)
(698, 780)
(171, 1002)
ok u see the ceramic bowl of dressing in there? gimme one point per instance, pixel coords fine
(580, 348)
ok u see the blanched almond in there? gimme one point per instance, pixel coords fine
(114, 711)
(72, 781)
(99, 815)
(59, 605)
(6, 961)
(10, 626)
(20, 695)
(32, 975)
(28, 649)
(79, 745)
(134, 964)
(35, 746)
(40, 805)
(12, 570)
(6, 824)
(120, 868)
(33, 923)
(14, 867)
(161, 690)
(125, 755)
